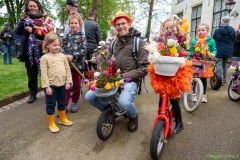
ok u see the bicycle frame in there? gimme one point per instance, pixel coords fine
(165, 113)
(236, 88)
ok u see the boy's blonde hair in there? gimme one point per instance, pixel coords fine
(77, 16)
(50, 38)
(176, 20)
(204, 24)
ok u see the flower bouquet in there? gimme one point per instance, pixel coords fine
(106, 79)
(167, 52)
(201, 55)
(169, 71)
(235, 66)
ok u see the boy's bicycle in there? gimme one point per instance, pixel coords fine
(234, 87)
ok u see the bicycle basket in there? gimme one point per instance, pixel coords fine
(200, 70)
(105, 95)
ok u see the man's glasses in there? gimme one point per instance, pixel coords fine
(119, 24)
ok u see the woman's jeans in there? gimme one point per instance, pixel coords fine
(125, 100)
(7, 51)
(222, 67)
(58, 95)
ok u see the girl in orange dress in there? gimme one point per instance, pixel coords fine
(202, 37)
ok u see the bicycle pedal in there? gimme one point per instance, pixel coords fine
(119, 113)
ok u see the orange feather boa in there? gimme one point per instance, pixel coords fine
(172, 85)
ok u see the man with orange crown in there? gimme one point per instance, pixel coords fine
(130, 67)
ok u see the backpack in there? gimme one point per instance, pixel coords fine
(134, 53)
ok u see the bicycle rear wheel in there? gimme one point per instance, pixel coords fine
(157, 140)
(105, 125)
(233, 93)
(192, 99)
(216, 81)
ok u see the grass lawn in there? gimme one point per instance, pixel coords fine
(13, 79)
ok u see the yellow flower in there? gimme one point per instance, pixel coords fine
(209, 54)
(87, 85)
(117, 84)
(173, 51)
(108, 86)
(197, 49)
(112, 84)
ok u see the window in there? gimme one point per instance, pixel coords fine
(180, 15)
(219, 11)
(195, 20)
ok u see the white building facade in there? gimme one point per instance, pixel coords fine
(208, 11)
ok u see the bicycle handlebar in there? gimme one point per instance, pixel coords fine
(198, 65)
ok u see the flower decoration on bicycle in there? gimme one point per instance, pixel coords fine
(169, 68)
(106, 79)
(168, 50)
(235, 66)
(201, 55)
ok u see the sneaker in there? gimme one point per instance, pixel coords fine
(204, 99)
(194, 98)
(178, 128)
(74, 107)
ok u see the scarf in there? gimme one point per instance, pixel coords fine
(202, 42)
(34, 16)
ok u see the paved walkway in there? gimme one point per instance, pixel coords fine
(212, 130)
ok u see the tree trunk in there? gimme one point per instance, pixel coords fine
(148, 30)
(95, 5)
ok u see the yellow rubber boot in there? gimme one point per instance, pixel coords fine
(63, 119)
(51, 124)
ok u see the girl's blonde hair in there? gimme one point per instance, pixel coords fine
(50, 38)
(77, 16)
(205, 25)
(176, 20)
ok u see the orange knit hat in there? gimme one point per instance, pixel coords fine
(238, 26)
(118, 15)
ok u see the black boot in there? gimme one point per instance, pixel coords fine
(178, 128)
(133, 124)
(31, 99)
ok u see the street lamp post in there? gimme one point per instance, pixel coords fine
(230, 5)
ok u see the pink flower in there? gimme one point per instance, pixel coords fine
(160, 46)
(93, 88)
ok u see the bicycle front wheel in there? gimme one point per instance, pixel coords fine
(157, 140)
(105, 125)
(192, 99)
(233, 92)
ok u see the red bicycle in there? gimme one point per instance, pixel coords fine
(163, 127)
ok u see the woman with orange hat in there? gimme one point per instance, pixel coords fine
(129, 66)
